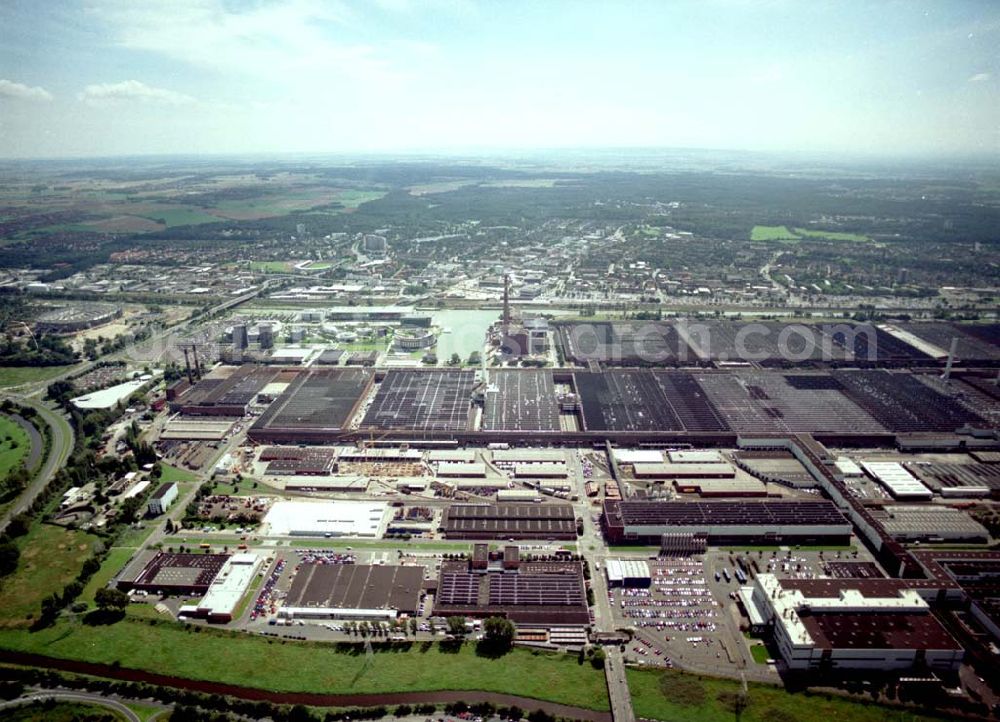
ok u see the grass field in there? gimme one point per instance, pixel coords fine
(833, 235)
(267, 663)
(353, 198)
(172, 473)
(246, 487)
(759, 653)
(117, 558)
(14, 450)
(773, 233)
(17, 375)
(270, 266)
(61, 712)
(51, 557)
(679, 697)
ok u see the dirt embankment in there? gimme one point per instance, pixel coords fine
(312, 699)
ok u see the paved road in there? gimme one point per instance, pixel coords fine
(83, 697)
(59, 451)
(621, 699)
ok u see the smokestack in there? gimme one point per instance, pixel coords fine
(187, 365)
(506, 304)
(951, 358)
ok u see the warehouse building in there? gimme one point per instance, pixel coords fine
(720, 522)
(927, 523)
(227, 589)
(512, 457)
(475, 470)
(691, 456)
(509, 521)
(629, 573)
(637, 456)
(353, 591)
(162, 498)
(853, 624)
(745, 486)
(540, 471)
(684, 471)
(897, 480)
(327, 518)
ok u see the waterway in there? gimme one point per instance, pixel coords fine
(467, 331)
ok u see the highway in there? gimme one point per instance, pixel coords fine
(40, 695)
(59, 452)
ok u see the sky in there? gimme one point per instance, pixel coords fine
(867, 77)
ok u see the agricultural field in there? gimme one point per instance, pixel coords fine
(672, 696)
(14, 445)
(293, 666)
(51, 557)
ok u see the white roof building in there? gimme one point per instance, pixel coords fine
(322, 518)
(897, 480)
(228, 587)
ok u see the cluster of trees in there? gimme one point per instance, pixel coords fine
(42, 350)
(382, 629)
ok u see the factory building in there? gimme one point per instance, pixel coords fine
(851, 624)
(743, 522)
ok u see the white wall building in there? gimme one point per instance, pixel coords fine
(327, 518)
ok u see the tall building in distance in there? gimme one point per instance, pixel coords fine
(240, 340)
(266, 336)
(376, 245)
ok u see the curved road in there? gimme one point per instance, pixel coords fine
(81, 697)
(59, 451)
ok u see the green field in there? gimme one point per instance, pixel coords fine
(117, 558)
(255, 661)
(12, 452)
(246, 487)
(759, 653)
(773, 233)
(17, 375)
(51, 557)
(680, 697)
(172, 473)
(833, 235)
(270, 266)
(353, 199)
(181, 216)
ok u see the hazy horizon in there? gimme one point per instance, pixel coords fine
(113, 78)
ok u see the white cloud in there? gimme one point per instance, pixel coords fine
(10, 89)
(131, 90)
(980, 77)
(294, 42)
